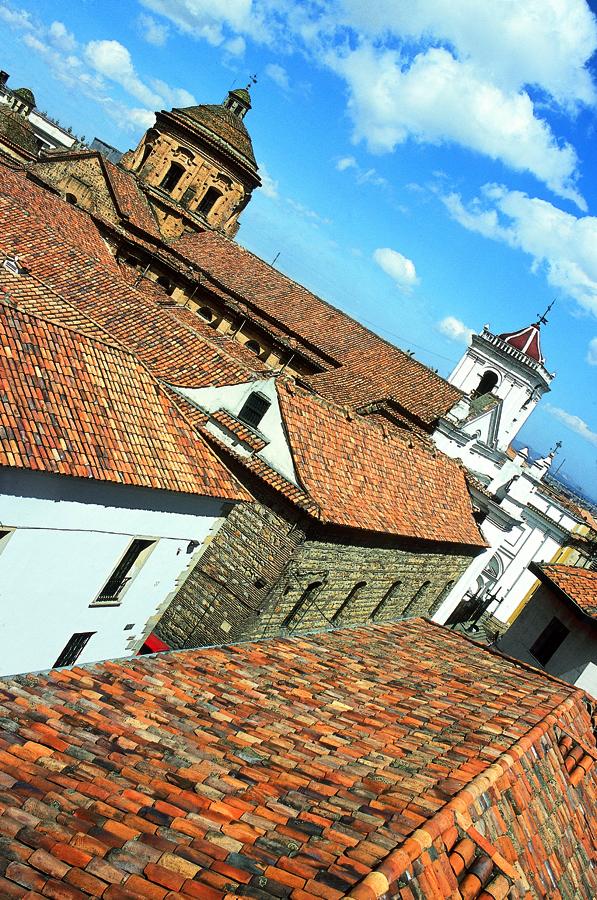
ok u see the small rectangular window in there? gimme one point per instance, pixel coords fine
(254, 409)
(123, 573)
(208, 200)
(73, 649)
(550, 639)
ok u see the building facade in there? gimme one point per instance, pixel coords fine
(104, 498)
(24, 130)
(523, 518)
(557, 628)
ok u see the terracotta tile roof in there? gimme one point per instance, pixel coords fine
(276, 769)
(580, 585)
(371, 368)
(131, 200)
(74, 406)
(132, 207)
(238, 428)
(364, 476)
(62, 248)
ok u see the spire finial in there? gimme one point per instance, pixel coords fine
(542, 320)
(555, 449)
(252, 81)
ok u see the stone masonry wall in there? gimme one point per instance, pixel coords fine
(226, 590)
(356, 582)
(254, 580)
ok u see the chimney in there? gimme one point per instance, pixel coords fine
(3, 78)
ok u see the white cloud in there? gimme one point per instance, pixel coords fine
(61, 37)
(346, 162)
(278, 74)
(113, 60)
(436, 71)
(152, 31)
(397, 266)
(269, 187)
(456, 330)
(235, 46)
(210, 19)
(438, 99)
(16, 18)
(362, 176)
(514, 41)
(592, 352)
(172, 96)
(561, 245)
(574, 423)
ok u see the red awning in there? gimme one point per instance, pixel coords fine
(154, 644)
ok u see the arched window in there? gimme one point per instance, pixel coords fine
(307, 594)
(486, 384)
(347, 602)
(440, 597)
(206, 313)
(70, 198)
(172, 177)
(416, 598)
(146, 154)
(254, 408)
(208, 200)
(254, 347)
(383, 603)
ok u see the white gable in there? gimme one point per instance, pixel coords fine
(231, 398)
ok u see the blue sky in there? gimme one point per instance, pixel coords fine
(427, 167)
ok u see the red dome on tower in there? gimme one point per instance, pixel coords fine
(526, 340)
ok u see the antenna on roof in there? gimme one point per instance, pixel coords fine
(275, 258)
(542, 320)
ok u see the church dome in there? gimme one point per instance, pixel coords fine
(527, 340)
(17, 130)
(219, 123)
(25, 94)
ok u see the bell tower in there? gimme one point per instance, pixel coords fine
(508, 370)
(197, 165)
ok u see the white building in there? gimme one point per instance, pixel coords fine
(107, 496)
(503, 377)
(48, 134)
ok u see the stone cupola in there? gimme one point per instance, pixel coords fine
(198, 166)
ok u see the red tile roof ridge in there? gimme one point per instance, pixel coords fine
(161, 389)
(305, 290)
(577, 584)
(109, 341)
(379, 883)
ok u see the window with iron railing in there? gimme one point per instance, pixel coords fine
(124, 572)
(73, 649)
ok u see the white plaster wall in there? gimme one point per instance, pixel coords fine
(494, 537)
(231, 398)
(49, 132)
(587, 680)
(69, 536)
(517, 580)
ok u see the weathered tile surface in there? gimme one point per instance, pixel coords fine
(397, 760)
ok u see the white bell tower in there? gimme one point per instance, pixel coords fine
(507, 372)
